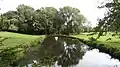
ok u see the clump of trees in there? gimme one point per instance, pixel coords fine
(46, 20)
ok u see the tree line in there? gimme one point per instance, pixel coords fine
(46, 20)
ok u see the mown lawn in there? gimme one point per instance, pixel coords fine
(13, 46)
(114, 42)
(17, 39)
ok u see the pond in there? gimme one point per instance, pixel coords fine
(66, 52)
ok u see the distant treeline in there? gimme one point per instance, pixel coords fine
(46, 20)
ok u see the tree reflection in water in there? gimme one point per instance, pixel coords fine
(65, 51)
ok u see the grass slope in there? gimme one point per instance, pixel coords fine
(16, 39)
(114, 42)
(14, 45)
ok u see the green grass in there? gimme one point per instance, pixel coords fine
(114, 42)
(15, 45)
(17, 39)
(11, 34)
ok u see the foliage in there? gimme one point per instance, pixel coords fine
(71, 19)
(46, 20)
(112, 17)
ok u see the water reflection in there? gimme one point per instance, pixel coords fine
(56, 38)
(94, 58)
(70, 56)
(67, 52)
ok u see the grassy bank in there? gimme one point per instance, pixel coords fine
(109, 44)
(14, 45)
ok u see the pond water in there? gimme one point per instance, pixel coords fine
(66, 52)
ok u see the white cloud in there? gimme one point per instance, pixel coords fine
(87, 7)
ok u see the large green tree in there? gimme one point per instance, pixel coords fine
(46, 18)
(70, 19)
(26, 18)
(10, 21)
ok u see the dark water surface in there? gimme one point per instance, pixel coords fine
(66, 52)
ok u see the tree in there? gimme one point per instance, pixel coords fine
(71, 19)
(111, 20)
(46, 18)
(11, 20)
(26, 18)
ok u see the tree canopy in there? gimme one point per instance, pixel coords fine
(46, 20)
(111, 21)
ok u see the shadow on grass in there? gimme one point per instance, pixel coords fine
(8, 56)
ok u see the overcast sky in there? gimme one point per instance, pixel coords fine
(87, 7)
